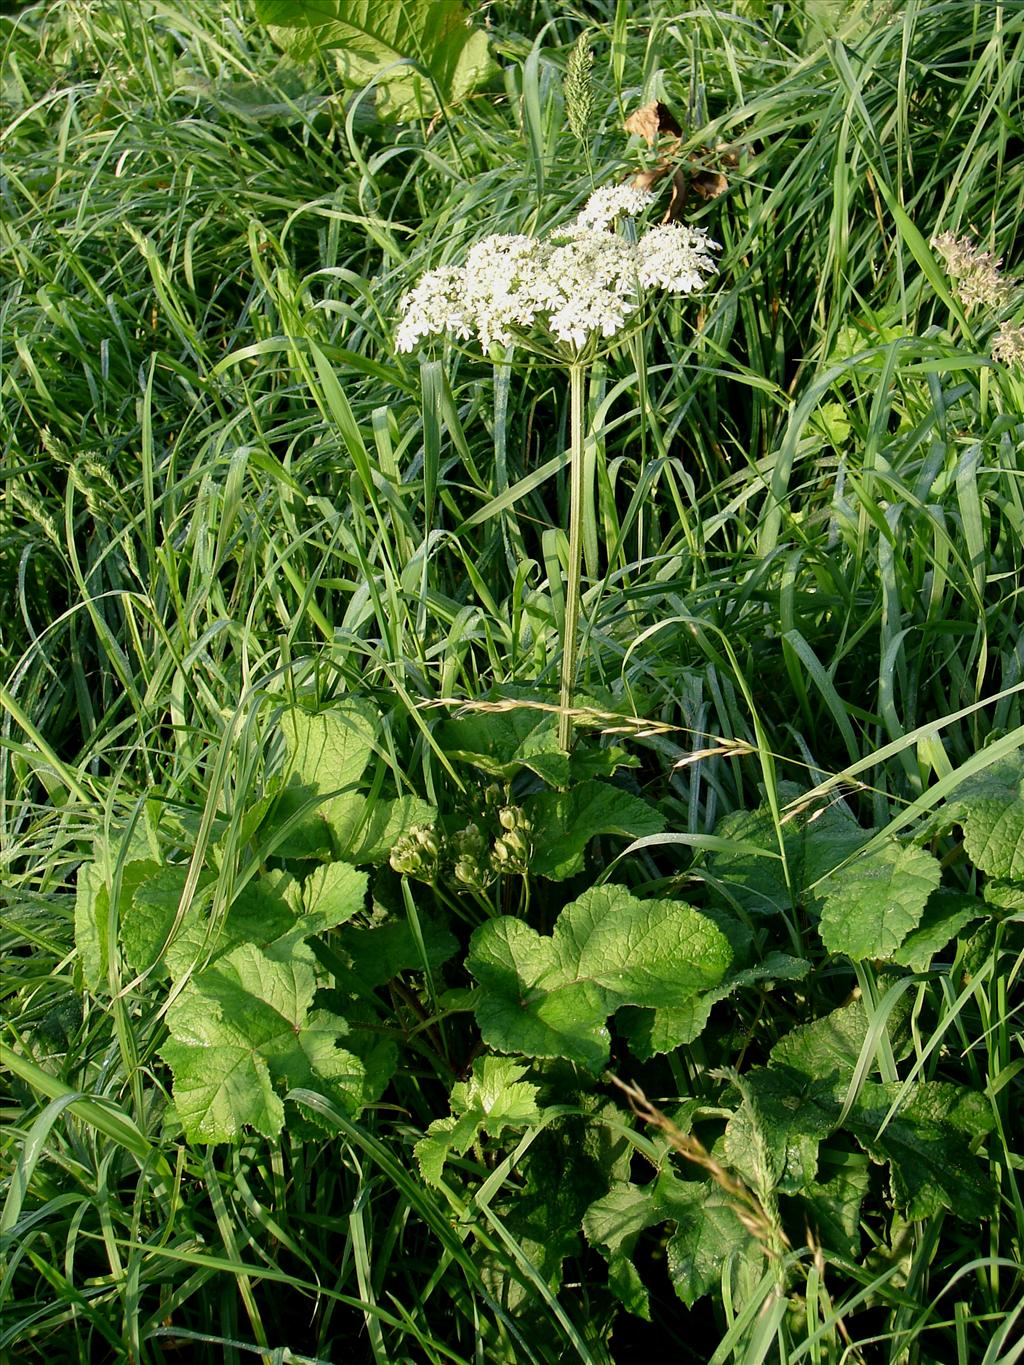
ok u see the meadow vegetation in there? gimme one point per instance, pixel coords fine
(349, 1017)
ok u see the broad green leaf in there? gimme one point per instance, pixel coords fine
(832, 1209)
(370, 36)
(319, 1058)
(265, 908)
(454, 1133)
(495, 1098)
(149, 919)
(792, 1104)
(503, 741)
(329, 750)
(220, 1086)
(756, 882)
(1006, 895)
(121, 845)
(299, 823)
(527, 1006)
(990, 809)
(650, 1032)
(604, 761)
(326, 755)
(92, 918)
(708, 1233)
(92, 910)
(550, 997)
(978, 950)
(377, 955)
(814, 842)
(614, 1223)
(928, 1146)
(242, 1027)
(873, 903)
(772, 1139)
(827, 839)
(946, 913)
(331, 895)
(569, 1164)
(343, 815)
(829, 1048)
(377, 827)
(565, 822)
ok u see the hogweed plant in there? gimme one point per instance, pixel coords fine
(564, 297)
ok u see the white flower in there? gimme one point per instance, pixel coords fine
(675, 257)
(582, 282)
(504, 287)
(592, 278)
(437, 304)
(609, 202)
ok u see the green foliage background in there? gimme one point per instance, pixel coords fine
(266, 1095)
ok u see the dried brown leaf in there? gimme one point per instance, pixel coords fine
(652, 121)
(708, 184)
(646, 180)
(676, 204)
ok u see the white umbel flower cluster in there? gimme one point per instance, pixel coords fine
(437, 304)
(674, 257)
(582, 282)
(611, 202)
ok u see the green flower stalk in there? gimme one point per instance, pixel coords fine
(561, 296)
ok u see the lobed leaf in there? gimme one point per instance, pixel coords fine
(565, 822)
(928, 1146)
(243, 1027)
(813, 843)
(945, 915)
(614, 1223)
(495, 1098)
(873, 902)
(501, 742)
(990, 808)
(551, 997)
(650, 1032)
(707, 1235)
(832, 1208)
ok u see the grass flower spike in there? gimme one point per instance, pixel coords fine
(975, 275)
(578, 89)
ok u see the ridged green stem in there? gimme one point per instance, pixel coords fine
(570, 625)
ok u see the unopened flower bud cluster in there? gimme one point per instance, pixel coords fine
(581, 282)
(469, 857)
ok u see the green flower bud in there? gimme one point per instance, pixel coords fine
(469, 842)
(415, 853)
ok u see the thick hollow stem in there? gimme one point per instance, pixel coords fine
(570, 624)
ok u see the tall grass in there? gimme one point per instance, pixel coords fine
(222, 489)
